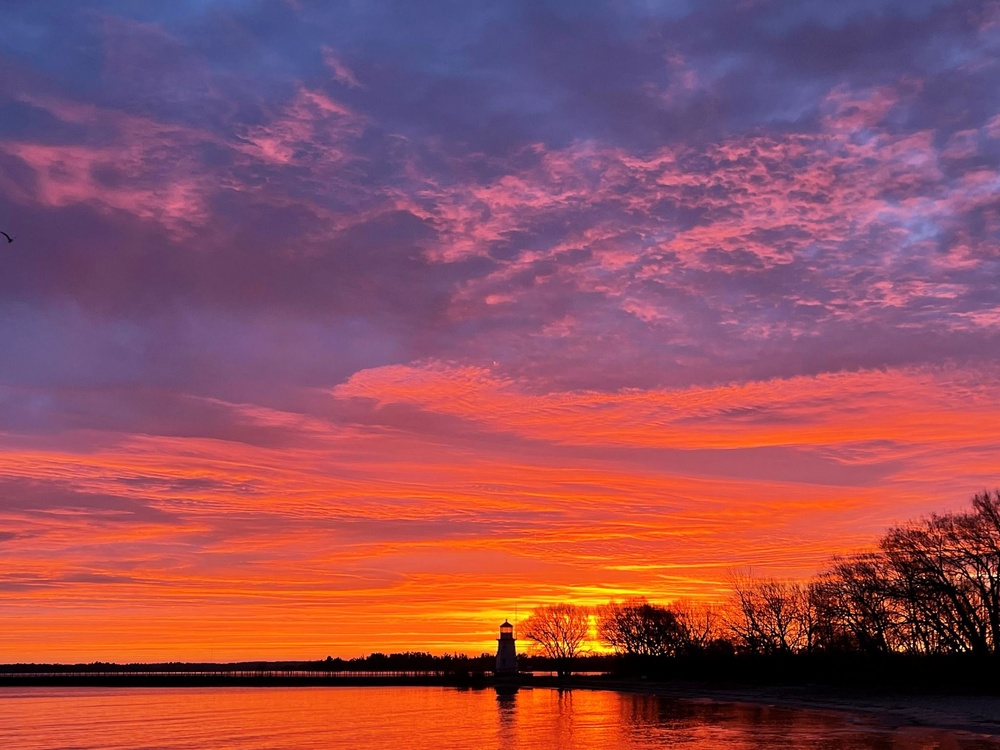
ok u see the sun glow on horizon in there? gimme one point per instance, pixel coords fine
(402, 532)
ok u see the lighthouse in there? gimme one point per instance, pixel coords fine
(506, 652)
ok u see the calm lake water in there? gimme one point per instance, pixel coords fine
(414, 718)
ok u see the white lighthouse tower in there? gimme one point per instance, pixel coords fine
(506, 652)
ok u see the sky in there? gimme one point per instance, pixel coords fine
(339, 327)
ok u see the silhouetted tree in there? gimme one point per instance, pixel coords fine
(701, 622)
(560, 631)
(947, 573)
(854, 606)
(768, 616)
(637, 628)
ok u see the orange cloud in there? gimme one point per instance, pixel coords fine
(444, 484)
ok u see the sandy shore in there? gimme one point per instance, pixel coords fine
(975, 714)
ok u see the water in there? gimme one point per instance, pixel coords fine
(416, 718)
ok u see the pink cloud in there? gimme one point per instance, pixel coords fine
(341, 72)
(67, 175)
(775, 199)
(152, 170)
(311, 118)
(961, 145)
(992, 127)
(849, 110)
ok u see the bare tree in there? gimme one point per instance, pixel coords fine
(637, 628)
(980, 563)
(768, 616)
(701, 621)
(947, 570)
(855, 607)
(560, 631)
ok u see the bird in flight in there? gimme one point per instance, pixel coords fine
(9, 238)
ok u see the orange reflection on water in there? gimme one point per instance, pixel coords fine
(416, 718)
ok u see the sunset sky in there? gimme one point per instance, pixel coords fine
(332, 327)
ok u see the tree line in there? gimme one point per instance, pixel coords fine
(929, 587)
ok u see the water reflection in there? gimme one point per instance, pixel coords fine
(506, 703)
(416, 718)
(651, 721)
(506, 716)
